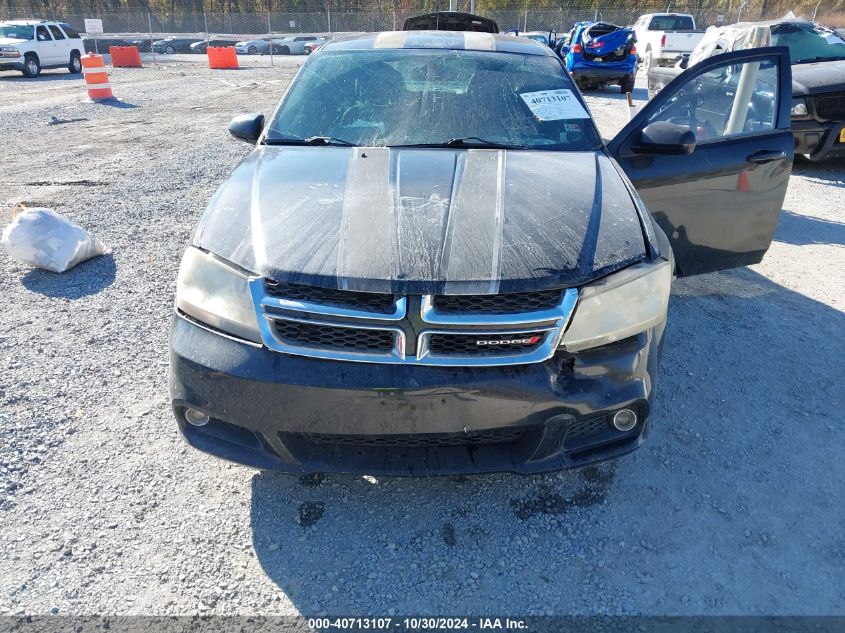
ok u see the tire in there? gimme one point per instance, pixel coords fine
(284, 50)
(627, 84)
(169, 50)
(251, 50)
(75, 66)
(31, 66)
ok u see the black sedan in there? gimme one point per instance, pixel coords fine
(202, 47)
(171, 45)
(443, 269)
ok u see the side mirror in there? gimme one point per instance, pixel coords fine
(662, 137)
(247, 127)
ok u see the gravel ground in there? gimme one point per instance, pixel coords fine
(734, 505)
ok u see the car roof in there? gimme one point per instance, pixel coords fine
(24, 22)
(447, 40)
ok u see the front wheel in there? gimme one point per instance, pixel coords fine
(31, 66)
(252, 50)
(75, 66)
(627, 84)
(169, 50)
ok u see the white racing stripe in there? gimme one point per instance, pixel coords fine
(479, 41)
(390, 39)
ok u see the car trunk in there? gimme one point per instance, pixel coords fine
(606, 43)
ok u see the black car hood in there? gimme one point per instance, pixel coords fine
(418, 221)
(818, 77)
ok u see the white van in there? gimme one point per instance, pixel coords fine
(32, 45)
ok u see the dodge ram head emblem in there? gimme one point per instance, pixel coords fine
(510, 341)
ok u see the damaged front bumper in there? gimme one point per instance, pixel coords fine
(299, 415)
(818, 140)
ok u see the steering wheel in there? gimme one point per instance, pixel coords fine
(691, 101)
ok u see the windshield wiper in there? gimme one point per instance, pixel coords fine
(311, 140)
(467, 142)
(327, 140)
(811, 60)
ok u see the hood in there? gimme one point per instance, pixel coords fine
(11, 41)
(818, 77)
(418, 221)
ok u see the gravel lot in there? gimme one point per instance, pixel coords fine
(734, 506)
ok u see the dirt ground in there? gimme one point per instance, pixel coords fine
(735, 505)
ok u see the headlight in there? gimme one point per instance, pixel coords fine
(216, 293)
(9, 51)
(799, 107)
(619, 306)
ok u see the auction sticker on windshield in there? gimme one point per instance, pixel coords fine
(554, 105)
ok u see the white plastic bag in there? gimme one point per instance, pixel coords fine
(44, 239)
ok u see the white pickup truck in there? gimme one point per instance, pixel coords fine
(32, 45)
(663, 38)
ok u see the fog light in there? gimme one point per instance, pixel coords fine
(624, 420)
(198, 418)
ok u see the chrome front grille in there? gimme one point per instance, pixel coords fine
(449, 343)
(304, 334)
(371, 301)
(509, 303)
(458, 331)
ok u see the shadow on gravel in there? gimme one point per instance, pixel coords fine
(612, 92)
(119, 105)
(744, 422)
(43, 77)
(830, 172)
(87, 278)
(802, 230)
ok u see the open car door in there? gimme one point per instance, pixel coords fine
(711, 156)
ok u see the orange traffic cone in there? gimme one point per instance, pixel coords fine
(96, 78)
(742, 182)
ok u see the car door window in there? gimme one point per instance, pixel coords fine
(70, 31)
(42, 35)
(725, 102)
(57, 33)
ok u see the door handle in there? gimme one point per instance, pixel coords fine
(766, 156)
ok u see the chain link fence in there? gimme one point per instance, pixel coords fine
(141, 28)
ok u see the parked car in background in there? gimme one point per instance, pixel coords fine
(450, 21)
(292, 44)
(549, 38)
(31, 46)
(170, 45)
(662, 38)
(202, 47)
(255, 46)
(443, 269)
(600, 53)
(95, 44)
(310, 47)
(818, 77)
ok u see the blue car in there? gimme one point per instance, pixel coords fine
(597, 53)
